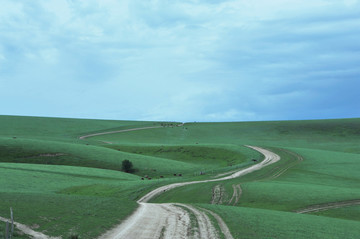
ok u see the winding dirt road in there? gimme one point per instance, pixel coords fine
(169, 221)
(172, 220)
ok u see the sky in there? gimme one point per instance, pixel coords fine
(180, 60)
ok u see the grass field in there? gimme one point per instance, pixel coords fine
(61, 185)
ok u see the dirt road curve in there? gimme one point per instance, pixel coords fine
(168, 221)
(27, 230)
(270, 158)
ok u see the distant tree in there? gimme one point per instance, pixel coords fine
(127, 166)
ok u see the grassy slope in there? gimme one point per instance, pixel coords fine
(326, 146)
(339, 135)
(57, 197)
(259, 223)
(350, 213)
(61, 128)
(64, 198)
(38, 186)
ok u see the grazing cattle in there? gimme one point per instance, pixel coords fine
(254, 160)
(146, 176)
(161, 176)
(142, 178)
(180, 174)
(149, 178)
(174, 174)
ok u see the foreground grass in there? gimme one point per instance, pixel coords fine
(260, 223)
(64, 199)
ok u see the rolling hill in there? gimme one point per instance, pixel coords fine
(61, 184)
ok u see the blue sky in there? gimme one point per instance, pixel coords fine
(183, 60)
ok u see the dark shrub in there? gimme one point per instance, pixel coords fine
(127, 166)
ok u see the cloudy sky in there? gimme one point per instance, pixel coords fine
(183, 60)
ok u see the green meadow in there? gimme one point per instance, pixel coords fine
(61, 185)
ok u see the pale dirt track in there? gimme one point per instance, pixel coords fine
(168, 221)
(27, 230)
(118, 131)
(328, 206)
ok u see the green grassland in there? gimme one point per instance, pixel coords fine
(260, 223)
(63, 185)
(350, 213)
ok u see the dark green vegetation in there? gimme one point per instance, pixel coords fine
(127, 166)
(60, 184)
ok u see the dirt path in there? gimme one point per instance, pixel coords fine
(168, 221)
(118, 131)
(328, 206)
(28, 231)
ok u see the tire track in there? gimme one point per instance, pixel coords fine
(206, 229)
(280, 170)
(328, 206)
(237, 191)
(218, 194)
(223, 227)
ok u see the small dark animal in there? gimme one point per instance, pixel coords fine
(142, 178)
(161, 176)
(174, 174)
(180, 174)
(254, 160)
(149, 178)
